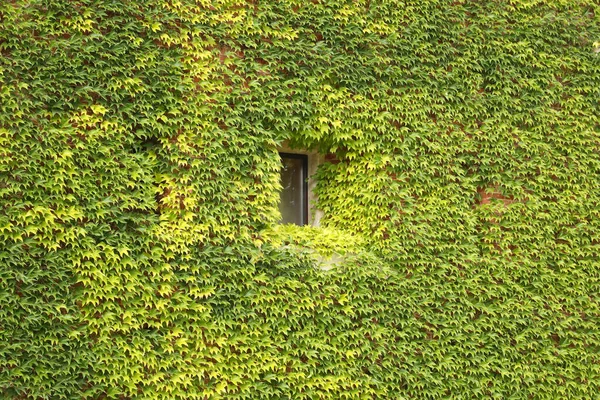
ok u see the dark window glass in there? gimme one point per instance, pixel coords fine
(293, 201)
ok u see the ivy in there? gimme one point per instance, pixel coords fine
(140, 255)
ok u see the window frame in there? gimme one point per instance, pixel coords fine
(304, 196)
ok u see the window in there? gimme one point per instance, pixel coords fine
(293, 201)
(297, 199)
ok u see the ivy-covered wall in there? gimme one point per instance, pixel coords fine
(139, 251)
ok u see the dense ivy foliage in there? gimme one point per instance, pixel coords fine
(139, 256)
